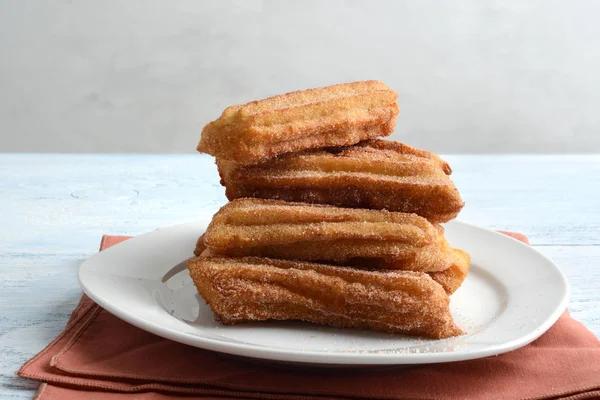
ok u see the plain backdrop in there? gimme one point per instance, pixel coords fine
(473, 76)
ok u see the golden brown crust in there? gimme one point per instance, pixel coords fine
(300, 231)
(336, 115)
(451, 278)
(455, 275)
(375, 174)
(258, 289)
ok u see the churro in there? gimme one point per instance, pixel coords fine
(258, 289)
(375, 174)
(336, 115)
(311, 232)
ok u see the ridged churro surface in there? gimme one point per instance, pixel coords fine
(451, 278)
(336, 115)
(375, 174)
(301, 231)
(258, 289)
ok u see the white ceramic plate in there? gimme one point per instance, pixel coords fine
(512, 295)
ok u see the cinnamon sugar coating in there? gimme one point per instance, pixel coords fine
(335, 115)
(258, 289)
(309, 232)
(374, 174)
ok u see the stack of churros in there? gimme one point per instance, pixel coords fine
(327, 223)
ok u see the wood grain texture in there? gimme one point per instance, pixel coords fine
(54, 208)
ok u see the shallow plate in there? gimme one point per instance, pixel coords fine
(512, 295)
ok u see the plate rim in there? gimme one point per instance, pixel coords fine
(327, 358)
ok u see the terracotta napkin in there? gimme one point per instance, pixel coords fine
(98, 356)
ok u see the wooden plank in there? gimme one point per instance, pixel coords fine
(38, 294)
(552, 199)
(581, 266)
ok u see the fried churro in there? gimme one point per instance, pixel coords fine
(258, 289)
(375, 174)
(336, 115)
(310, 232)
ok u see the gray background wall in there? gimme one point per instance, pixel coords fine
(145, 76)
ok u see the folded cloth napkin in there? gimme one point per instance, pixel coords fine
(98, 356)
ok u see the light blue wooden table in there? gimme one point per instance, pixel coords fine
(54, 208)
